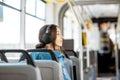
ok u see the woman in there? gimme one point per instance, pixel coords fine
(50, 37)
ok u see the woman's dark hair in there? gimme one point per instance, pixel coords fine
(52, 31)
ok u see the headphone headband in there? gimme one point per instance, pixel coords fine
(47, 30)
(47, 38)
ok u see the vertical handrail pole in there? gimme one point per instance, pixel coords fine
(81, 49)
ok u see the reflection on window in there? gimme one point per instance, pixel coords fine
(32, 29)
(10, 27)
(13, 3)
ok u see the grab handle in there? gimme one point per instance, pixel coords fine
(3, 57)
(25, 54)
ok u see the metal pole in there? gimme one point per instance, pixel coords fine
(116, 48)
(22, 24)
(116, 58)
(81, 50)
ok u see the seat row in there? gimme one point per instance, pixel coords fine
(27, 69)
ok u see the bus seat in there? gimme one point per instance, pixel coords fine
(69, 67)
(50, 70)
(11, 71)
(19, 71)
(76, 68)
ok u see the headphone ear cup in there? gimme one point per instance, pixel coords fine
(47, 38)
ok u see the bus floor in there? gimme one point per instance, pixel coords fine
(106, 78)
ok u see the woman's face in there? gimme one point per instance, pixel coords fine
(59, 38)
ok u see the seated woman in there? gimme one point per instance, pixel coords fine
(50, 37)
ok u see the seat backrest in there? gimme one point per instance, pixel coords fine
(76, 67)
(50, 70)
(11, 71)
(69, 67)
(71, 53)
(19, 71)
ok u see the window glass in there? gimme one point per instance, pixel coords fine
(35, 19)
(30, 6)
(32, 29)
(10, 27)
(67, 28)
(40, 11)
(76, 34)
(71, 29)
(13, 3)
